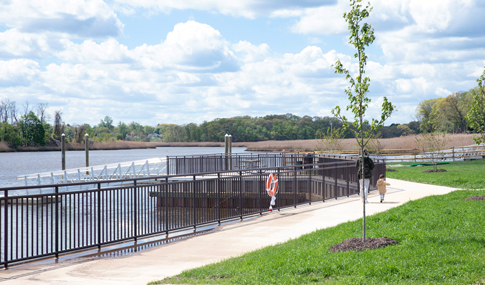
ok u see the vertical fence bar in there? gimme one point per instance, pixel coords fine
(295, 185)
(323, 182)
(5, 229)
(336, 185)
(166, 206)
(260, 190)
(194, 198)
(240, 195)
(57, 221)
(99, 216)
(135, 214)
(278, 193)
(310, 184)
(218, 190)
(347, 170)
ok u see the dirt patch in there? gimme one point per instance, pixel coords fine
(476, 198)
(357, 244)
(390, 169)
(434, 170)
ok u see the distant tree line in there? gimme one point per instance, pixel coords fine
(30, 127)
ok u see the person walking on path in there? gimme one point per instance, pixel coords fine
(381, 186)
(364, 180)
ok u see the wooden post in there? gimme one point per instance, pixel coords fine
(63, 150)
(226, 152)
(453, 149)
(230, 151)
(86, 148)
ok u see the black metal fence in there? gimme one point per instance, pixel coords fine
(57, 222)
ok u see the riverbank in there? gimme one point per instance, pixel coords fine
(402, 145)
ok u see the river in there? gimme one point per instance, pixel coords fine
(13, 164)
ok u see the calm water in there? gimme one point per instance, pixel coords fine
(22, 163)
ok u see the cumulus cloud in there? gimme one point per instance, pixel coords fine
(18, 72)
(110, 51)
(241, 8)
(14, 44)
(191, 46)
(78, 18)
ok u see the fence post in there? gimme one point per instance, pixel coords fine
(323, 182)
(310, 184)
(453, 149)
(218, 187)
(168, 165)
(260, 191)
(295, 189)
(63, 151)
(99, 216)
(347, 170)
(278, 192)
(5, 230)
(336, 186)
(86, 149)
(240, 195)
(166, 207)
(135, 215)
(193, 190)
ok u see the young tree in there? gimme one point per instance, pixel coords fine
(476, 113)
(361, 35)
(331, 141)
(432, 145)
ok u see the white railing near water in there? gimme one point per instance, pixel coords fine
(115, 171)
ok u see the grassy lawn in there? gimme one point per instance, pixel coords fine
(442, 241)
(459, 174)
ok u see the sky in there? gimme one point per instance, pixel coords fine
(184, 61)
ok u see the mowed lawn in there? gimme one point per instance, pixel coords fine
(442, 241)
(459, 174)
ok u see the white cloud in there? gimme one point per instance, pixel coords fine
(240, 8)
(191, 46)
(250, 52)
(78, 18)
(18, 72)
(109, 51)
(14, 44)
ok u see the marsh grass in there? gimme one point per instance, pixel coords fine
(459, 174)
(441, 238)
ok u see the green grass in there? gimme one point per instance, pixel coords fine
(442, 241)
(459, 174)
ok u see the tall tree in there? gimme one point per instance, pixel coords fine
(424, 114)
(58, 125)
(476, 114)
(32, 129)
(361, 36)
(41, 112)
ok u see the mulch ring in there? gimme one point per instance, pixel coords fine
(476, 198)
(433, 170)
(357, 244)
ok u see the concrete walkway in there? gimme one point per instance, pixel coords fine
(224, 242)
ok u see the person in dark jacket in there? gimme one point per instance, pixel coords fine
(365, 180)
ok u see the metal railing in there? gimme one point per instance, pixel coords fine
(55, 222)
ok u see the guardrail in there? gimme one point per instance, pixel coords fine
(55, 222)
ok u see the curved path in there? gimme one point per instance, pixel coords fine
(224, 242)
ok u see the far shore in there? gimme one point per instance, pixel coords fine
(392, 145)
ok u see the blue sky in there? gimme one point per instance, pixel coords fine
(182, 61)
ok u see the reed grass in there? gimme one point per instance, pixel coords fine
(397, 145)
